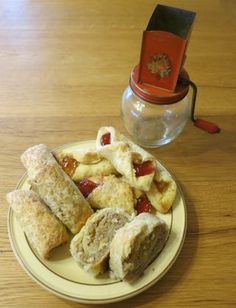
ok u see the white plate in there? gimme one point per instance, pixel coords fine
(61, 275)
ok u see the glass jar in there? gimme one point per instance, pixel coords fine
(152, 125)
(154, 117)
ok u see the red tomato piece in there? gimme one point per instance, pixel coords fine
(143, 204)
(86, 187)
(106, 139)
(143, 168)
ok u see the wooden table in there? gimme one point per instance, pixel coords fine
(64, 65)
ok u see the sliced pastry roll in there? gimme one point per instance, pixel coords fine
(43, 230)
(80, 164)
(90, 247)
(56, 188)
(136, 165)
(136, 245)
(162, 192)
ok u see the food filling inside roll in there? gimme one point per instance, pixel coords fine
(144, 252)
(135, 245)
(90, 248)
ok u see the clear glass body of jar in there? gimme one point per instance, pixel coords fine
(153, 125)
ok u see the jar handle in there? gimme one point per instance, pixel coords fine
(203, 124)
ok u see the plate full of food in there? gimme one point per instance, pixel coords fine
(96, 221)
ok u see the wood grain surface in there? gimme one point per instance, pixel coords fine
(64, 65)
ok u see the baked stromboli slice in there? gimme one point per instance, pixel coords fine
(43, 230)
(136, 165)
(90, 247)
(136, 245)
(56, 188)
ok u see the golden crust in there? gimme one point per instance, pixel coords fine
(101, 168)
(43, 230)
(162, 192)
(84, 156)
(138, 154)
(62, 196)
(122, 153)
(114, 193)
(34, 157)
(56, 188)
(88, 162)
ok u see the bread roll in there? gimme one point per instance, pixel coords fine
(90, 248)
(34, 157)
(43, 230)
(56, 188)
(136, 245)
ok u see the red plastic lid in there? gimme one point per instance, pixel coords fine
(157, 95)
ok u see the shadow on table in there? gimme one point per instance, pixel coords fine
(181, 266)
